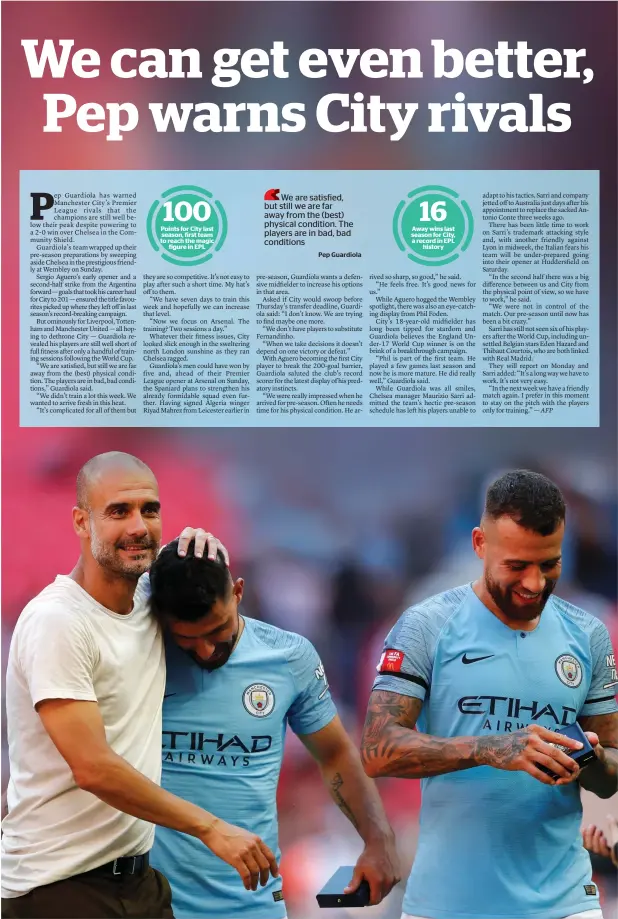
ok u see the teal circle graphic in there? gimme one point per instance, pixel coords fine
(186, 225)
(433, 225)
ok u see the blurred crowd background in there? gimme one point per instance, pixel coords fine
(335, 533)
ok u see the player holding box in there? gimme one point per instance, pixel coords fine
(491, 672)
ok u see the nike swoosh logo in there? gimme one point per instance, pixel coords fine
(473, 660)
(168, 694)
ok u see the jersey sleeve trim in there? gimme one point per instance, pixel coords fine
(306, 714)
(317, 724)
(385, 682)
(599, 699)
(608, 707)
(406, 676)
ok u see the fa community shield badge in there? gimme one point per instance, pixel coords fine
(258, 699)
(569, 670)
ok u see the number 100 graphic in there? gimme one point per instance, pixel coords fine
(433, 225)
(187, 225)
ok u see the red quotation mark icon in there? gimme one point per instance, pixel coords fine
(272, 194)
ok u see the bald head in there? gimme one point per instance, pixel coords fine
(104, 464)
(118, 515)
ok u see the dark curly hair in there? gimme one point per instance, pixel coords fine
(529, 498)
(185, 587)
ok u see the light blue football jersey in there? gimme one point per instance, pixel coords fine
(223, 735)
(492, 843)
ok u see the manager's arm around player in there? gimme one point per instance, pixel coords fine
(85, 684)
(77, 731)
(358, 799)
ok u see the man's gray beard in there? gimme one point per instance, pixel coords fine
(107, 558)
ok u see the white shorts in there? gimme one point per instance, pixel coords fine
(587, 914)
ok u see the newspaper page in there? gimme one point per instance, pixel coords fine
(328, 270)
(340, 298)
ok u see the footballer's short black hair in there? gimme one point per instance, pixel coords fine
(529, 498)
(185, 587)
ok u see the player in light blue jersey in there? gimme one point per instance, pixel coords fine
(233, 686)
(488, 672)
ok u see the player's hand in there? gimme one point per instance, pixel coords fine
(203, 540)
(596, 841)
(245, 851)
(593, 739)
(525, 750)
(379, 866)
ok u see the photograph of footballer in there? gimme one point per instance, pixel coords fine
(488, 673)
(234, 683)
(84, 693)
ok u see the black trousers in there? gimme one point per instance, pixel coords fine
(146, 896)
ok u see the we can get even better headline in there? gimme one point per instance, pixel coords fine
(334, 112)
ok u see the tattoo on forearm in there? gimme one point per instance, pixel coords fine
(391, 747)
(335, 784)
(500, 751)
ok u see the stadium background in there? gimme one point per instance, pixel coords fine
(334, 531)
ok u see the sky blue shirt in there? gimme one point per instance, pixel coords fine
(223, 735)
(493, 843)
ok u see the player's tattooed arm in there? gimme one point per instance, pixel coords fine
(358, 799)
(340, 765)
(601, 776)
(391, 747)
(336, 784)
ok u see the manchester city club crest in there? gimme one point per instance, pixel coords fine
(258, 699)
(569, 670)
